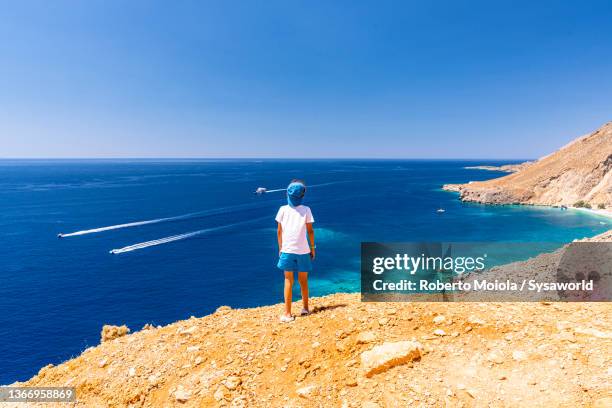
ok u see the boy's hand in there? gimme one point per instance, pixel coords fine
(312, 253)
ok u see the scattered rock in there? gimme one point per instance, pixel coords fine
(182, 395)
(381, 358)
(110, 332)
(473, 320)
(439, 332)
(221, 393)
(439, 319)
(495, 357)
(188, 331)
(366, 337)
(351, 382)
(232, 382)
(223, 309)
(471, 392)
(306, 391)
(519, 355)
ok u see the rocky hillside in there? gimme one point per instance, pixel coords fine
(579, 173)
(353, 354)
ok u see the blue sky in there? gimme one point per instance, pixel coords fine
(428, 79)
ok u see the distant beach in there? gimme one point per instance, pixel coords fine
(593, 211)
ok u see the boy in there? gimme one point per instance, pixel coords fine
(295, 254)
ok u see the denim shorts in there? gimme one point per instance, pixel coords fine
(294, 262)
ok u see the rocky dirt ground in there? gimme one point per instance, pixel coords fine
(354, 354)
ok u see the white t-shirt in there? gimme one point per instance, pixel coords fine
(293, 220)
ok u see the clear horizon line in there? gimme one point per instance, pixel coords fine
(265, 158)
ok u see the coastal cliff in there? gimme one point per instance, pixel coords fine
(579, 174)
(353, 354)
(430, 355)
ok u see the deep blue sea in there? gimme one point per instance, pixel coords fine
(55, 294)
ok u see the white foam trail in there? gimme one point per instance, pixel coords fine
(328, 184)
(127, 225)
(154, 242)
(180, 217)
(307, 187)
(214, 211)
(178, 237)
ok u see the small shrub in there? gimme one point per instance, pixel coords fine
(579, 204)
(587, 205)
(601, 206)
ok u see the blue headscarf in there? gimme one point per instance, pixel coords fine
(295, 193)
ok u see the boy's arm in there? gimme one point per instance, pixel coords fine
(279, 236)
(310, 230)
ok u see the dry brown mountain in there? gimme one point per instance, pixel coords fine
(580, 171)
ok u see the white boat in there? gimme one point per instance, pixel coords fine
(440, 210)
(261, 190)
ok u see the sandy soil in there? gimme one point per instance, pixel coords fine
(473, 354)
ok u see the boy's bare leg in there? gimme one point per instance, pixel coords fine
(303, 279)
(288, 292)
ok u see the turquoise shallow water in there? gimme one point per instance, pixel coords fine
(57, 293)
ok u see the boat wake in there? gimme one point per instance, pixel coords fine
(310, 186)
(215, 211)
(179, 237)
(126, 225)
